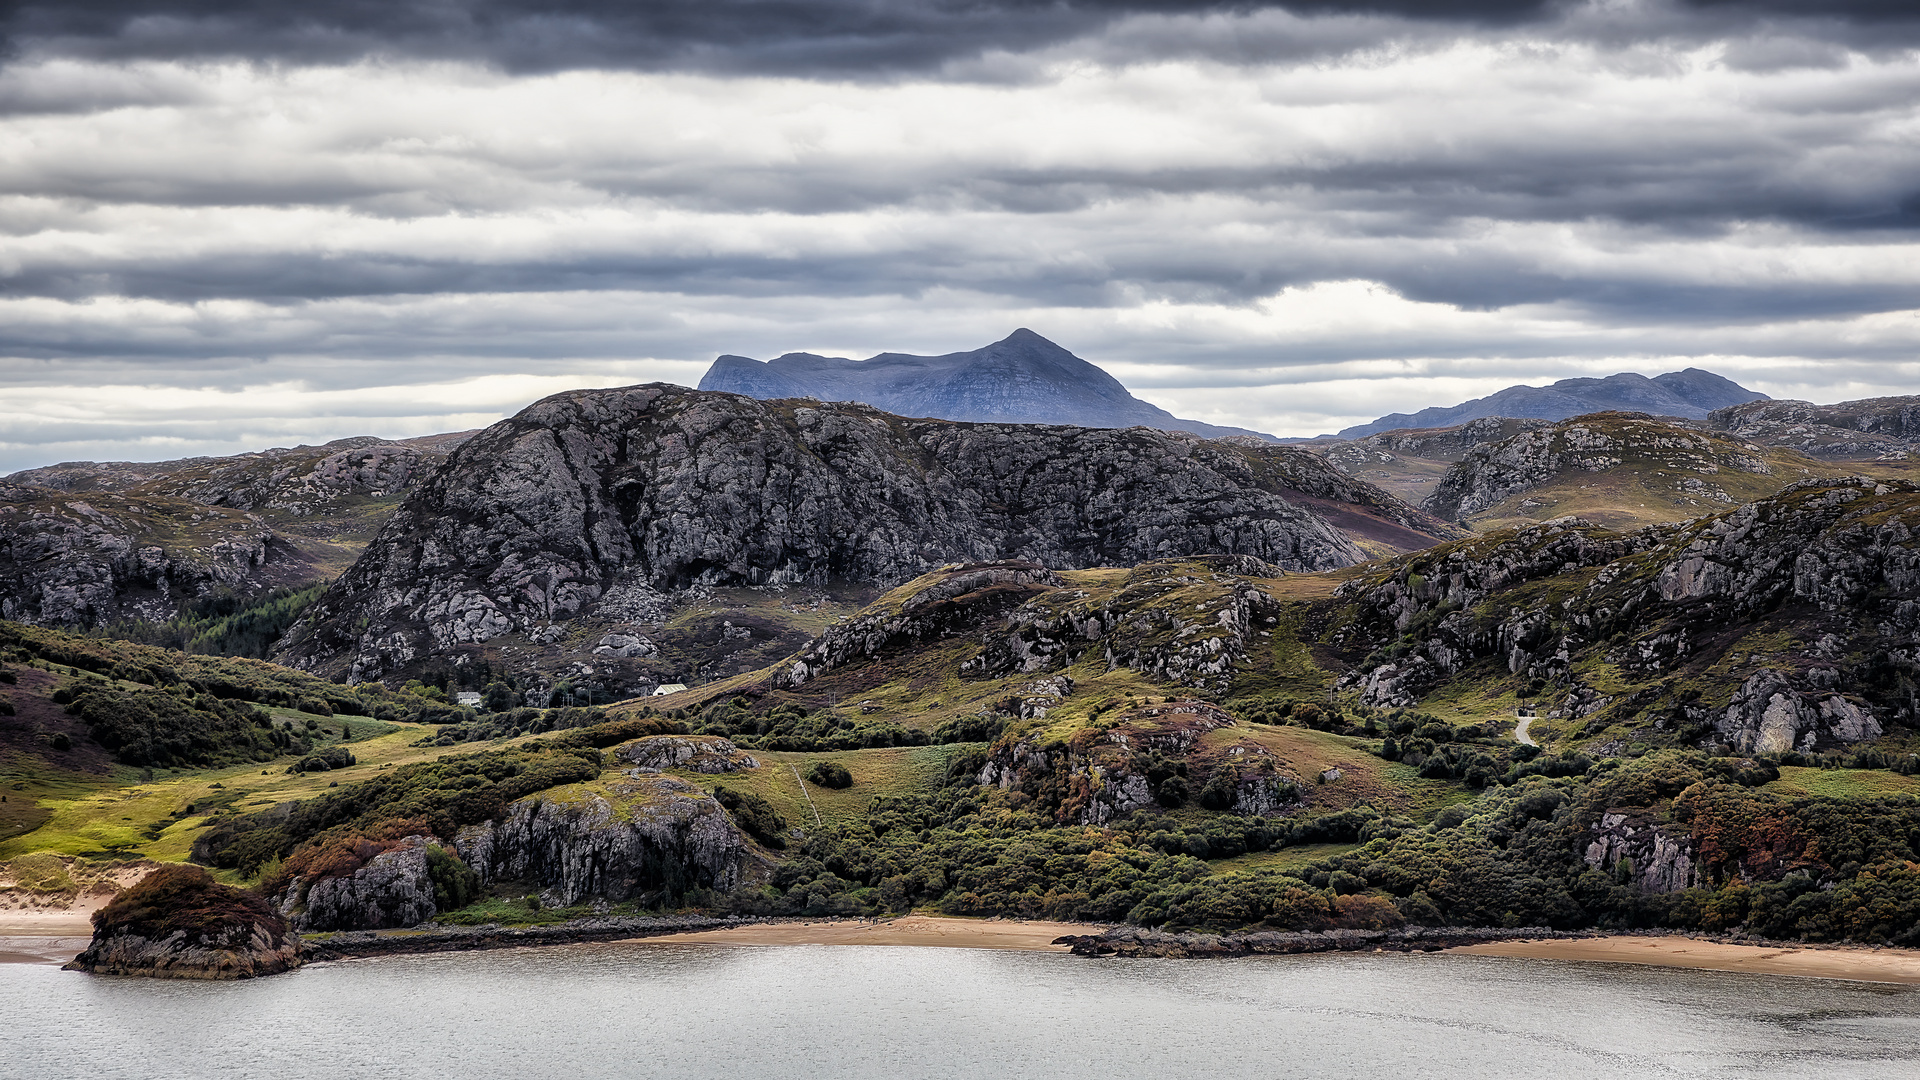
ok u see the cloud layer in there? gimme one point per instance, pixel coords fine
(1287, 220)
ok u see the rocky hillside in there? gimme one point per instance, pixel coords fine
(1865, 430)
(1022, 379)
(605, 499)
(1409, 462)
(1616, 469)
(90, 560)
(1786, 624)
(1692, 394)
(88, 543)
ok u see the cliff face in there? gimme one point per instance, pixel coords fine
(234, 953)
(540, 517)
(392, 890)
(649, 834)
(1628, 844)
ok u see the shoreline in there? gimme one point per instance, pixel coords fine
(926, 931)
(52, 940)
(1849, 963)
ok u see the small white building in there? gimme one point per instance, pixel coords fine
(469, 698)
(668, 688)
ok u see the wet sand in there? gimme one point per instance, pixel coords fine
(922, 930)
(1851, 962)
(36, 949)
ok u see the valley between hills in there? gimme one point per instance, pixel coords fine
(660, 654)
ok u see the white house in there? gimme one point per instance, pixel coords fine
(668, 688)
(469, 698)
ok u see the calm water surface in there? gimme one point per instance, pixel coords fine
(813, 1011)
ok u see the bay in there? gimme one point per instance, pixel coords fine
(786, 1012)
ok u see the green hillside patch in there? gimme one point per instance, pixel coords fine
(160, 818)
(1285, 860)
(893, 772)
(1798, 781)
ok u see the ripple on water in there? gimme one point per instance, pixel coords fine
(792, 1012)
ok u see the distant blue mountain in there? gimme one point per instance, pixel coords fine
(1023, 379)
(1692, 393)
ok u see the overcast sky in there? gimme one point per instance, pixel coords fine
(231, 225)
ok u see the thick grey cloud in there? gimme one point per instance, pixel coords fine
(1284, 217)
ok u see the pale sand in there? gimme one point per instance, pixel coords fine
(1852, 963)
(27, 949)
(51, 922)
(906, 930)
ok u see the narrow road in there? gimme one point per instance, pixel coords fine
(1520, 731)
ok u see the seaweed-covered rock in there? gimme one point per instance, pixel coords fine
(179, 923)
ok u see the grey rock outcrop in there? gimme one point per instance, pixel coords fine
(694, 753)
(1769, 715)
(657, 836)
(300, 481)
(1487, 475)
(1353, 456)
(1843, 554)
(391, 890)
(70, 561)
(1886, 427)
(235, 952)
(534, 519)
(1636, 850)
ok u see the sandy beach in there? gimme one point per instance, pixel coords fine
(75, 921)
(1851, 962)
(906, 930)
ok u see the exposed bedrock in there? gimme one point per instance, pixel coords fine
(655, 834)
(533, 520)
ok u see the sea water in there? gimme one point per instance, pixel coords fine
(791, 1012)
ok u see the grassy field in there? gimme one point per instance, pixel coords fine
(892, 771)
(1796, 782)
(126, 814)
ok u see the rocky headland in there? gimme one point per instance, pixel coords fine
(178, 923)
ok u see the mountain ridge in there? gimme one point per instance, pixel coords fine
(1691, 393)
(1021, 379)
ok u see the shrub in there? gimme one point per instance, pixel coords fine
(830, 774)
(455, 885)
(754, 814)
(181, 897)
(150, 727)
(333, 757)
(1220, 792)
